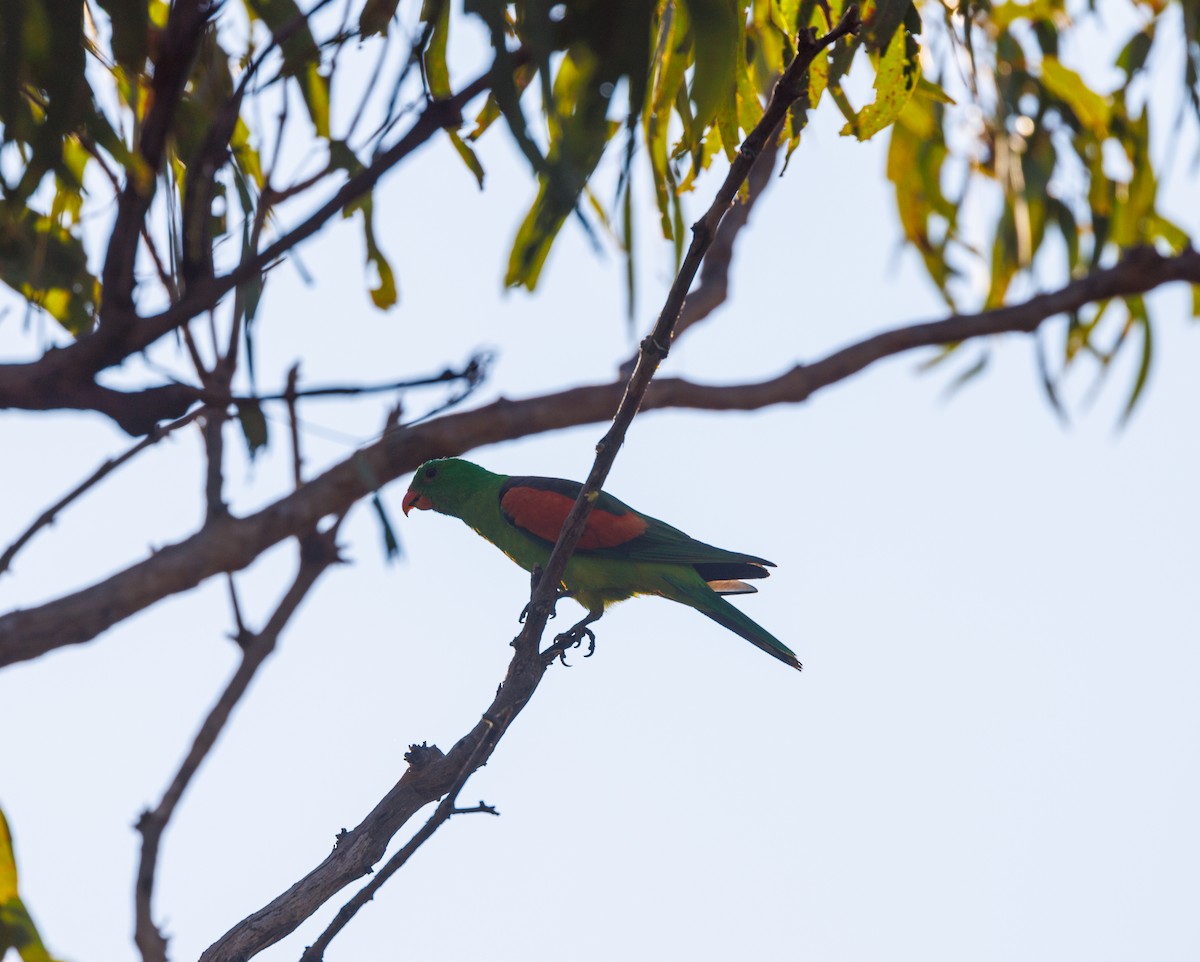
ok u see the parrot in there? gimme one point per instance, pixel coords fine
(621, 553)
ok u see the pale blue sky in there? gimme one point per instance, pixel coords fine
(990, 755)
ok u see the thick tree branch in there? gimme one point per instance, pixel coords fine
(180, 41)
(442, 814)
(234, 543)
(527, 666)
(712, 288)
(63, 378)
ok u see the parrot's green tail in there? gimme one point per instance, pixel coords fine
(701, 597)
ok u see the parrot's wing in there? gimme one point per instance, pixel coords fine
(539, 506)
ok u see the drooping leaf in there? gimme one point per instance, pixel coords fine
(254, 426)
(1138, 314)
(1091, 109)
(468, 156)
(714, 25)
(47, 265)
(391, 544)
(966, 376)
(896, 78)
(130, 24)
(436, 13)
(376, 16)
(1132, 58)
(17, 930)
(385, 294)
(301, 56)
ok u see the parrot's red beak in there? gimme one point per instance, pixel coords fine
(414, 499)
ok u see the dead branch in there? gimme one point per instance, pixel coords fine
(527, 666)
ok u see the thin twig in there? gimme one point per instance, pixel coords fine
(318, 551)
(442, 814)
(48, 516)
(713, 287)
(290, 397)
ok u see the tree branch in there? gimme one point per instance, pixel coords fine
(713, 287)
(790, 86)
(234, 543)
(181, 40)
(317, 552)
(48, 516)
(62, 378)
(442, 814)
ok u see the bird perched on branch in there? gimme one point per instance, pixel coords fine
(621, 553)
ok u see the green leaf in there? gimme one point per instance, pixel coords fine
(299, 47)
(315, 89)
(962, 379)
(245, 157)
(1006, 14)
(579, 132)
(1091, 109)
(437, 74)
(376, 16)
(301, 56)
(468, 156)
(715, 32)
(896, 75)
(385, 295)
(8, 863)
(391, 544)
(1139, 316)
(254, 426)
(1047, 380)
(130, 23)
(1132, 58)
(16, 927)
(48, 266)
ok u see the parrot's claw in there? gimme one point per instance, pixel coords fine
(562, 593)
(573, 639)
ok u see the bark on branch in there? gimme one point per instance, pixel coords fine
(64, 377)
(234, 543)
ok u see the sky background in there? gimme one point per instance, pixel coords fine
(992, 751)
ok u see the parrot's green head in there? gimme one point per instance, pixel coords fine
(445, 485)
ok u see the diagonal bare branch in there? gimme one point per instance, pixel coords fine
(527, 666)
(48, 516)
(234, 543)
(317, 552)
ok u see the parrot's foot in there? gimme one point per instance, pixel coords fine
(573, 638)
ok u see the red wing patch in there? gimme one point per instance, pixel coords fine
(542, 513)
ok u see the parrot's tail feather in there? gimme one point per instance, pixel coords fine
(701, 597)
(732, 587)
(729, 570)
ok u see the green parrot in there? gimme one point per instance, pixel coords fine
(621, 553)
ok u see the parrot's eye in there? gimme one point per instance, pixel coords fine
(430, 473)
